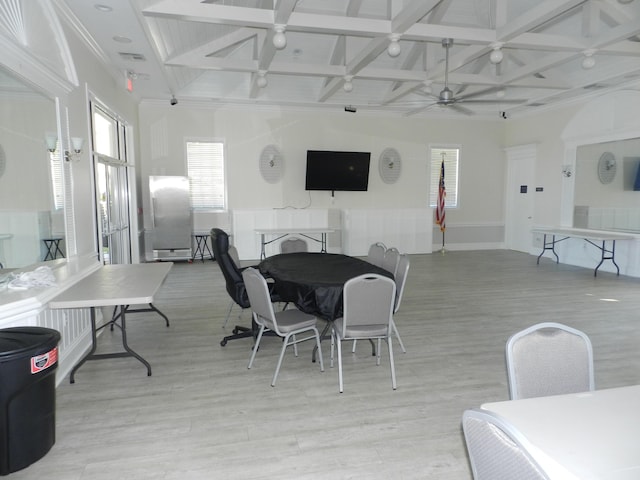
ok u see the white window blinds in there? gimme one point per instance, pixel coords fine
(451, 157)
(205, 167)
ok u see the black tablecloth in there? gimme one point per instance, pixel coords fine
(314, 281)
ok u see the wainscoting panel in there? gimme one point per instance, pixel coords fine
(409, 230)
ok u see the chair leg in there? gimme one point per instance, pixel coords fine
(332, 344)
(353, 349)
(228, 314)
(391, 362)
(285, 344)
(395, 331)
(295, 346)
(339, 340)
(319, 349)
(378, 355)
(255, 346)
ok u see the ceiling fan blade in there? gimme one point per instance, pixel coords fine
(418, 110)
(480, 92)
(491, 101)
(460, 109)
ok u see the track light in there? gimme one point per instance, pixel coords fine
(279, 40)
(394, 47)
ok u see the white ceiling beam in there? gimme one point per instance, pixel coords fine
(374, 48)
(412, 13)
(540, 66)
(438, 12)
(283, 10)
(234, 38)
(534, 17)
(617, 34)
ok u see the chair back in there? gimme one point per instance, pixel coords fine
(376, 254)
(549, 359)
(260, 299)
(293, 244)
(497, 451)
(390, 260)
(230, 269)
(368, 305)
(401, 277)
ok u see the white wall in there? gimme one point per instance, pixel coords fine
(163, 130)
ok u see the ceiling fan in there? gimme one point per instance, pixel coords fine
(448, 99)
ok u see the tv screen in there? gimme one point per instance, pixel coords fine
(343, 171)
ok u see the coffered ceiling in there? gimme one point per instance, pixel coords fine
(510, 56)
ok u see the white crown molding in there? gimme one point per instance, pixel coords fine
(32, 71)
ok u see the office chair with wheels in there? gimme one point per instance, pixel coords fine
(233, 280)
(497, 451)
(549, 359)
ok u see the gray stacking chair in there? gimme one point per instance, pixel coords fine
(549, 359)
(367, 314)
(293, 245)
(497, 451)
(286, 323)
(376, 253)
(390, 260)
(400, 278)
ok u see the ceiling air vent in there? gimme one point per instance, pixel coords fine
(537, 104)
(132, 57)
(593, 86)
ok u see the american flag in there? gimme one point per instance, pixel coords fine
(440, 213)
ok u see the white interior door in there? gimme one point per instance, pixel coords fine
(520, 197)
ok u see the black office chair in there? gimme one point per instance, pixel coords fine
(235, 284)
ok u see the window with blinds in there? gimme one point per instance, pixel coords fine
(205, 168)
(451, 156)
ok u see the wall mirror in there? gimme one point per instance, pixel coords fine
(607, 186)
(31, 195)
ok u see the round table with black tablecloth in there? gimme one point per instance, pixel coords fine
(314, 281)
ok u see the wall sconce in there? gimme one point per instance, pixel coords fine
(567, 171)
(76, 143)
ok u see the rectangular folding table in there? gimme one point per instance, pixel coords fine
(116, 286)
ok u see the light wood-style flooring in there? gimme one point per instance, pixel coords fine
(203, 415)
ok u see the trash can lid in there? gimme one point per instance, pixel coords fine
(22, 339)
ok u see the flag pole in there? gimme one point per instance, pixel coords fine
(440, 207)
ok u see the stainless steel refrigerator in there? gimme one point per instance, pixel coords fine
(171, 214)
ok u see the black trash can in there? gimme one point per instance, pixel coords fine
(28, 361)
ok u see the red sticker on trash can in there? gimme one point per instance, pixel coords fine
(44, 361)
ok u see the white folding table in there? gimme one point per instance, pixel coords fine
(590, 236)
(585, 436)
(303, 232)
(116, 286)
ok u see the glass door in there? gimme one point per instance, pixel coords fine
(112, 186)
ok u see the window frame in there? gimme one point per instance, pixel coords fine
(452, 185)
(211, 207)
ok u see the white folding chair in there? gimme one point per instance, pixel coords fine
(497, 451)
(549, 359)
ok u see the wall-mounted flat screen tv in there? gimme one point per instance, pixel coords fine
(337, 171)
